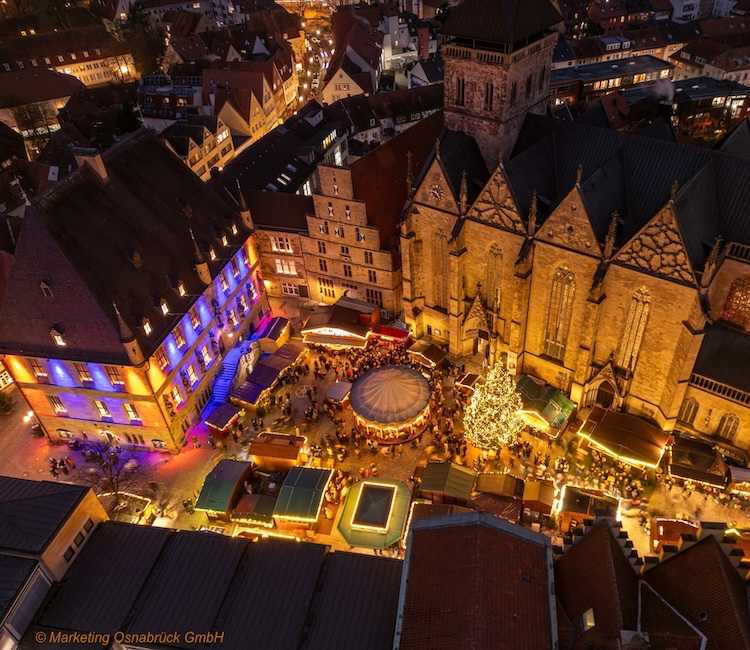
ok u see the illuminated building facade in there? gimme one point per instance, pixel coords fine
(124, 297)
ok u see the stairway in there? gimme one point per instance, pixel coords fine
(223, 382)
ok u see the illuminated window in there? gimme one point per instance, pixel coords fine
(235, 268)
(206, 356)
(232, 316)
(588, 620)
(234, 228)
(38, 369)
(281, 244)
(57, 337)
(728, 426)
(195, 320)
(164, 307)
(224, 240)
(224, 283)
(212, 254)
(243, 303)
(114, 375)
(147, 326)
(179, 337)
(57, 404)
(131, 412)
(635, 325)
(559, 312)
(192, 377)
(176, 396)
(102, 409)
(181, 289)
(161, 359)
(688, 411)
(83, 372)
(286, 267)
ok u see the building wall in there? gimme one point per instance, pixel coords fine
(98, 72)
(341, 85)
(280, 253)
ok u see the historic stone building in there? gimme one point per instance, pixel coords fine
(615, 267)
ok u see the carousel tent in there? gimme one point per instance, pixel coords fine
(222, 486)
(448, 479)
(375, 513)
(695, 460)
(626, 437)
(390, 395)
(548, 407)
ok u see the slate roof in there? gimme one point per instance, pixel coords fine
(14, 572)
(595, 574)
(701, 583)
(31, 512)
(221, 484)
(494, 593)
(35, 85)
(737, 141)
(720, 344)
(634, 175)
(362, 590)
(501, 22)
(279, 210)
(125, 241)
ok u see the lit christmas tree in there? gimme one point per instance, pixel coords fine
(492, 419)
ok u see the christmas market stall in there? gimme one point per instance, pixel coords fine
(375, 513)
(447, 482)
(300, 500)
(273, 452)
(346, 324)
(272, 333)
(538, 498)
(626, 437)
(222, 418)
(668, 532)
(427, 353)
(696, 460)
(575, 504)
(391, 403)
(222, 488)
(739, 480)
(545, 408)
(254, 510)
(467, 382)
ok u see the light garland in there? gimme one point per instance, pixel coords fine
(493, 418)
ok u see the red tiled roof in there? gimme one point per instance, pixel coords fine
(483, 584)
(595, 574)
(701, 583)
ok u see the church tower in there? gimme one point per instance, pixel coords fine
(498, 56)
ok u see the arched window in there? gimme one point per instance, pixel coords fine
(493, 278)
(558, 313)
(737, 305)
(440, 263)
(635, 325)
(688, 411)
(728, 426)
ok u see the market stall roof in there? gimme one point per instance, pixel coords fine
(222, 416)
(390, 394)
(449, 479)
(248, 392)
(426, 509)
(339, 391)
(508, 508)
(291, 350)
(272, 328)
(221, 484)
(627, 437)
(264, 375)
(275, 361)
(739, 477)
(345, 341)
(392, 332)
(255, 508)
(301, 494)
(504, 485)
(538, 495)
(549, 403)
(467, 380)
(696, 460)
(375, 513)
(276, 445)
(427, 353)
(343, 317)
(586, 502)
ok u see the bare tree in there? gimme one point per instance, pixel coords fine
(117, 471)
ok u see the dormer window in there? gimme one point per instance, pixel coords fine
(181, 289)
(224, 283)
(164, 307)
(234, 228)
(45, 289)
(212, 254)
(57, 337)
(224, 240)
(147, 326)
(235, 268)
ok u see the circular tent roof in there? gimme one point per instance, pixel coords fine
(390, 395)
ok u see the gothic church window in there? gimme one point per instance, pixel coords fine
(559, 313)
(728, 426)
(493, 279)
(489, 91)
(737, 305)
(688, 411)
(460, 91)
(635, 325)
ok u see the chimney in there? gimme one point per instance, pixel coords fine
(91, 157)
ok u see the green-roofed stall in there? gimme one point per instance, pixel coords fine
(447, 482)
(375, 513)
(223, 487)
(545, 408)
(301, 496)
